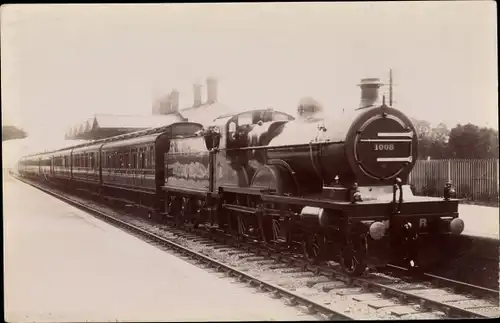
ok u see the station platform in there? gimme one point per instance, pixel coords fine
(480, 221)
(63, 265)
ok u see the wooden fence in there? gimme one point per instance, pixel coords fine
(473, 179)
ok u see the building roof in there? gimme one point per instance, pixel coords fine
(105, 125)
(134, 121)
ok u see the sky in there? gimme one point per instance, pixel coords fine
(63, 63)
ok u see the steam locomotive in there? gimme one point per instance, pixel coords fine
(333, 188)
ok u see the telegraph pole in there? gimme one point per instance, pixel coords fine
(390, 87)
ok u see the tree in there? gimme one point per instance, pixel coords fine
(422, 128)
(462, 141)
(432, 142)
(439, 138)
(488, 143)
(470, 141)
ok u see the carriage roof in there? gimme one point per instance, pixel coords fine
(175, 130)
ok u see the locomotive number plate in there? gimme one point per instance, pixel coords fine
(383, 147)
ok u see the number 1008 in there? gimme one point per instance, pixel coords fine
(384, 146)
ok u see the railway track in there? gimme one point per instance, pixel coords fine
(322, 289)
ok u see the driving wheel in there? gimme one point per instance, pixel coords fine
(353, 258)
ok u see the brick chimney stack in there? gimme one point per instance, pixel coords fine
(174, 100)
(197, 95)
(211, 90)
(165, 104)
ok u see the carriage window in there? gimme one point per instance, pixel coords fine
(147, 152)
(153, 157)
(143, 159)
(129, 159)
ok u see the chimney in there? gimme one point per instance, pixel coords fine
(211, 90)
(369, 92)
(174, 101)
(165, 104)
(156, 110)
(197, 95)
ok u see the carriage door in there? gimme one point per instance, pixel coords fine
(142, 165)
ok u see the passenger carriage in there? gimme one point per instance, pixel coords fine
(61, 165)
(45, 162)
(30, 165)
(134, 166)
(85, 167)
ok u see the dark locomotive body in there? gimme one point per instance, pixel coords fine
(335, 188)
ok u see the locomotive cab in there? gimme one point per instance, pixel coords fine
(251, 129)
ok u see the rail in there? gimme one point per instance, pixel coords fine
(366, 283)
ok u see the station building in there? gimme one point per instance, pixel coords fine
(104, 125)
